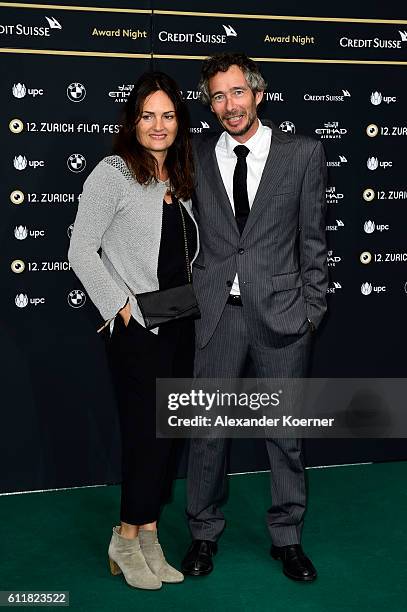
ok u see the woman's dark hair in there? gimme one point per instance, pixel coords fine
(142, 164)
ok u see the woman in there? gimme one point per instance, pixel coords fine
(136, 207)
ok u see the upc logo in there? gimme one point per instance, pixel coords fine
(21, 300)
(20, 232)
(376, 98)
(369, 227)
(372, 163)
(20, 162)
(19, 90)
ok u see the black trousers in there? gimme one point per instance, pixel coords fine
(137, 357)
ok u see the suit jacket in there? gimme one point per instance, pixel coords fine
(281, 255)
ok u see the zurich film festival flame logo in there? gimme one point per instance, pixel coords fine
(369, 227)
(20, 162)
(366, 288)
(403, 35)
(372, 163)
(20, 232)
(19, 90)
(376, 98)
(343, 159)
(21, 300)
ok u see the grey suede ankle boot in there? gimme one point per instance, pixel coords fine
(154, 556)
(125, 556)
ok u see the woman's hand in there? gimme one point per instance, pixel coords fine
(125, 313)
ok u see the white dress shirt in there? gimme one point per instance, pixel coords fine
(259, 146)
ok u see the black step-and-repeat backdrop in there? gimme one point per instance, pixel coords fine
(336, 74)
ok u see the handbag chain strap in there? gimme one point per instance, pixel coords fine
(185, 241)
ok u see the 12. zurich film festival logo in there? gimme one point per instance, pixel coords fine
(198, 37)
(18, 29)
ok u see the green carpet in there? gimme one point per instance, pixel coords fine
(354, 532)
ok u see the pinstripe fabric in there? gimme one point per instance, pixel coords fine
(281, 255)
(281, 262)
(225, 356)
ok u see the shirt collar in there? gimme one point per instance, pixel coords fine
(252, 144)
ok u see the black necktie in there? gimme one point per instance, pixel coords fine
(240, 197)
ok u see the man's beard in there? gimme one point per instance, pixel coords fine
(251, 118)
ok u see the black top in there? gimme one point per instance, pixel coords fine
(172, 267)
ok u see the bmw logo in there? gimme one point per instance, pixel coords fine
(76, 162)
(76, 92)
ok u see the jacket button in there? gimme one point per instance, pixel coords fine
(241, 251)
(229, 283)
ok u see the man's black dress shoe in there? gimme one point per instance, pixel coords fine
(198, 560)
(296, 564)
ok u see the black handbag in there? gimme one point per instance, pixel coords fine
(161, 307)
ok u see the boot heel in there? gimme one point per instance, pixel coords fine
(275, 555)
(114, 568)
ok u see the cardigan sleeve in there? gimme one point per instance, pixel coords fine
(96, 210)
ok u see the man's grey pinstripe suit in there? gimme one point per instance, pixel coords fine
(280, 259)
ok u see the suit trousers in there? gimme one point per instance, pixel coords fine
(136, 358)
(224, 357)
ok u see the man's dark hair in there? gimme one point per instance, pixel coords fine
(221, 62)
(140, 161)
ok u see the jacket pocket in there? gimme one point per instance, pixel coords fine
(195, 265)
(284, 282)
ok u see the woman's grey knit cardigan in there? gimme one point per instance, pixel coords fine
(124, 219)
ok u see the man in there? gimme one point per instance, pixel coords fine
(261, 281)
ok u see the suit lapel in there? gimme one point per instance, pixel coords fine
(277, 164)
(210, 167)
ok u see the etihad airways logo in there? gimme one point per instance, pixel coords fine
(330, 130)
(375, 43)
(197, 37)
(31, 30)
(121, 92)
